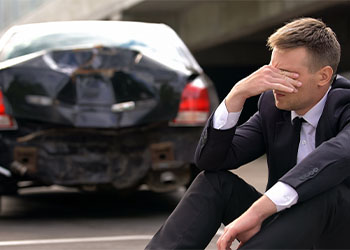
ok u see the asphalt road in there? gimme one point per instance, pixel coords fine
(58, 218)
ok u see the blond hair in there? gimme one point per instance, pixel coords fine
(312, 34)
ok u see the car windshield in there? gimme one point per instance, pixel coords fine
(159, 43)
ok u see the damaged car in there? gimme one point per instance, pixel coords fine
(99, 105)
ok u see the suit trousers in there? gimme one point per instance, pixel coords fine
(220, 197)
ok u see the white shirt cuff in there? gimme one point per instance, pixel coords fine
(283, 195)
(223, 119)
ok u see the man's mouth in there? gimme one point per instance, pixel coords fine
(279, 94)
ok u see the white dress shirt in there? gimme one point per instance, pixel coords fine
(281, 194)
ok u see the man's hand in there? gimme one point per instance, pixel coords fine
(265, 78)
(248, 224)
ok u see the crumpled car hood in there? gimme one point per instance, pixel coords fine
(99, 87)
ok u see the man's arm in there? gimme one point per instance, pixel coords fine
(324, 168)
(227, 149)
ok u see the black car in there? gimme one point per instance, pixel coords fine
(99, 105)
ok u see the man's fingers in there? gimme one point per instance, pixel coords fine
(287, 79)
(220, 243)
(283, 88)
(291, 81)
(240, 245)
(288, 74)
(225, 241)
(285, 82)
(279, 78)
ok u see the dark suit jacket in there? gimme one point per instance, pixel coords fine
(268, 131)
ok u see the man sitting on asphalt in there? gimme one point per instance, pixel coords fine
(303, 127)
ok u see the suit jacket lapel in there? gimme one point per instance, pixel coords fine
(326, 127)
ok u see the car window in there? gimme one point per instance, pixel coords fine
(18, 47)
(162, 46)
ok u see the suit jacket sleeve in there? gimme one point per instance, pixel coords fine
(328, 165)
(231, 148)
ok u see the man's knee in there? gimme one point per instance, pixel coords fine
(216, 174)
(215, 183)
(234, 192)
(217, 179)
(225, 180)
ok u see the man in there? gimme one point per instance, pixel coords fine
(307, 202)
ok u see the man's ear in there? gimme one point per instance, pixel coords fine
(325, 75)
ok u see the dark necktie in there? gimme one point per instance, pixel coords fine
(297, 122)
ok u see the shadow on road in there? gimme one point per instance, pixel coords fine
(76, 204)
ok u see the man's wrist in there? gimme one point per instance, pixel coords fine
(282, 195)
(263, 208)
(223, 120)
(235, 100)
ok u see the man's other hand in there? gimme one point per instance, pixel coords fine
(248, 224)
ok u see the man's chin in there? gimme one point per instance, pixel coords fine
(282, 107)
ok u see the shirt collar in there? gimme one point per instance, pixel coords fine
(314, 114)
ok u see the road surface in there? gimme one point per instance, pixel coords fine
(58, 218)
